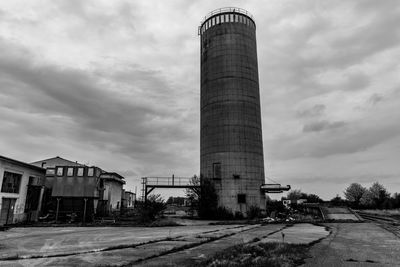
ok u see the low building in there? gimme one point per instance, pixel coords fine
(128, 200)
(75, 192)
(21, 193)
(71, 185)
(113, 192)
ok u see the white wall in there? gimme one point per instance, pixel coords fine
(113, 193)
(20, 197)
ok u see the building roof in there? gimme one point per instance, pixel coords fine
(112, 176)
(21, 163)
(67, 162)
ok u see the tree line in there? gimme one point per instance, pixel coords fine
(374, 197)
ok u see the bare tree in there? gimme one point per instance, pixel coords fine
(204, 199)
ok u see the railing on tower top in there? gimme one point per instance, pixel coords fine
(227, 10)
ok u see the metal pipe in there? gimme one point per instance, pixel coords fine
(39, 209)
(58, 206)
(84, 212)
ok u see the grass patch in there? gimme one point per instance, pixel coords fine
(261, 254)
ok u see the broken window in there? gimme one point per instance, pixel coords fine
(11, 182)
(50, 171)
(60, 171)
(241, 198)
(217, 170)
(236, 176)
(80, 171)
(35, 180)
(90, 171)
(70, 171)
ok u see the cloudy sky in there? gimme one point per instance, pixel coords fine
(116, 84)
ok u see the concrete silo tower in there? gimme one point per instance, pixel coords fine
(231, 147)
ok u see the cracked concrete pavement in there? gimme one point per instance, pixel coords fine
(155, 246)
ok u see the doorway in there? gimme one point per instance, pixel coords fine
(7, 211)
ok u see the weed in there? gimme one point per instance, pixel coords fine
(261, 254)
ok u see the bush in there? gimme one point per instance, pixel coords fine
(151, 209)
(205, 199)
(253, 212)
(224, 214)
(238, 215)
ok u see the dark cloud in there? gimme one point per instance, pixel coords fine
(342, 139)
(116, 83)
(375, 34)
(144, 124)
(375, 99)
(316, 110)
(322, 126)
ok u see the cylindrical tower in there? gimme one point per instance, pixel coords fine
(231, 148)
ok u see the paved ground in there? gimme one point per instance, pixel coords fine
(349, 244)
(156, 246)
(356, 244)
(298, 233)
(337, 213)
(49, 241)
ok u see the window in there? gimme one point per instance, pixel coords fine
(217, 18)
(213, 21)
(217, 170)
(231, 18)
(90, 171)
(34, 180)
(222, 19)
(60, 171)
(70, 171)
(241, 198)
(11, 182)
(50, 171)
(80, 171)
(236, 176)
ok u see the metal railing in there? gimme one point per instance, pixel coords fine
(227, 10)
(167, 181)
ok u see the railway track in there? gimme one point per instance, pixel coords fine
(390, 224)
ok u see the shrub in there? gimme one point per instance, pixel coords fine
(238, 215)
(253, 212)
(151, 209)
(223, 213)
